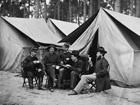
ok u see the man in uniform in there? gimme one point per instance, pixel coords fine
(65, 60)
(50, 62)
(76, 68)
(32, 68)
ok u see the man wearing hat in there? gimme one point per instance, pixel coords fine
(100, 75)
(76, 68)
(31, 65)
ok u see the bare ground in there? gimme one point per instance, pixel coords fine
(12, 93)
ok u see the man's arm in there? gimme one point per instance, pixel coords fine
(78, 67)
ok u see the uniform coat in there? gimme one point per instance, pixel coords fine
(103, 80)
(49, 61)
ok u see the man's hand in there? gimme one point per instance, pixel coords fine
(57, 67)
(36, 61)
(39, 70)
(94, 75)
(67, 59)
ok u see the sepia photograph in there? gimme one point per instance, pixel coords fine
(69, 52)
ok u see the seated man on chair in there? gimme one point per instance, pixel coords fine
(32, 68)
(101, 75)
(50, 62)
(76, 68)
(65, 62)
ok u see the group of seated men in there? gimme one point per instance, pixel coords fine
(66, 65)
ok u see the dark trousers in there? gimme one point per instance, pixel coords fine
(74, 79)
(60, 77)
(51, 76)
(40, 76)
(30, 76)
(64, 75)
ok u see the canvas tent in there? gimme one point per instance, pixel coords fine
(55, 29)
(12, 42)
(36, 29)
(119, 34)
(63, 26)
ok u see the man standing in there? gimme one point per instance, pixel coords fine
(101, 75)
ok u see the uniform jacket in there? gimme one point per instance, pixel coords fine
(28, 63)
(66, 58)
(51, 59)
(101, 68)
(103, 80)
(77, 66)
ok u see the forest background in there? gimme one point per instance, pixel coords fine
(77, 11)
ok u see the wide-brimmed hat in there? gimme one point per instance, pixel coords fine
(101, 50)
(75, 53)
(51, 47)
(67, 45)
(34, 49)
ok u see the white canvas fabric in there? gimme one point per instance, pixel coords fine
(54, 29)
(65, 27)
(122, 57)
(11, 44)
(132, 23)
(36, 29)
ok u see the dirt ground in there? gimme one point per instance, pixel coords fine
(12, 93)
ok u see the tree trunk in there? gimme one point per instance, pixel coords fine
(70, 11)
(137, 8)
(131, 7)
(62, 11)
(94, 6)
(58, 9)
(117, 5)
(98, 6)
(78, 13)
(37, 8)
(85, 14)
(90, 8)
(45, 11)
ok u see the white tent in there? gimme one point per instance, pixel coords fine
(119, 34)
(63, 26)
(36, 29)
